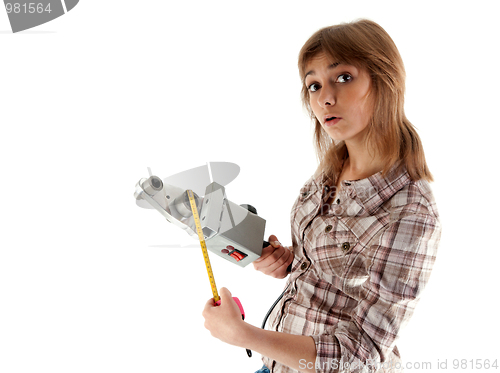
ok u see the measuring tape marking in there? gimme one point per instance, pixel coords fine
(203, 245)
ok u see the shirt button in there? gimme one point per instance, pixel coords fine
(303, 266)
(346, 246)
(305, 194)
(328, 228)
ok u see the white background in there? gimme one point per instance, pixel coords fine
(93, 98)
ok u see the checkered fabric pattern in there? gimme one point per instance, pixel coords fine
(360, 266)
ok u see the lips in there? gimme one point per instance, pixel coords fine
(330, 120)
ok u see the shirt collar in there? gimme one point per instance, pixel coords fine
(373, 191)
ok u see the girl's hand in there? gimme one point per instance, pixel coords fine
(275, 259)
(224, 322)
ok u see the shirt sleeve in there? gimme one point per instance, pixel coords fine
(401, 261)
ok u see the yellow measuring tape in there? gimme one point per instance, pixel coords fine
(203, 245)
(207, 260)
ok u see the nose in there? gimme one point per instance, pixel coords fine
(327, 96)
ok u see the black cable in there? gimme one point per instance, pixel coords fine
(272, 307)
(289, 269)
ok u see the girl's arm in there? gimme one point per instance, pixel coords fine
(296, 351)
(224, 322)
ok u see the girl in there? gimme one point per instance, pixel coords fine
(365, 227)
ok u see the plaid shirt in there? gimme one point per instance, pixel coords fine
(360, 267)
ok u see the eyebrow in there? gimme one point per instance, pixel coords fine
(332, 66)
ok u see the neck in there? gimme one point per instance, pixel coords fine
(361, 163)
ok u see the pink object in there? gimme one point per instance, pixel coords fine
(240, 306)
(218, 303)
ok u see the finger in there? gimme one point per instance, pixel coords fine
(225, 294)
(210, 303)
(273, 260)
(267, 259)
(208, 306)
(273, 240)
(227, 299)
(281, 264)
(265, 253)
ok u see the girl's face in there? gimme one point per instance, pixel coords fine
(339, 98)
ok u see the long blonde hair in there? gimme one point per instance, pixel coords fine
(366, 44)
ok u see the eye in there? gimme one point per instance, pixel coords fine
(343, 78)
(313, 87)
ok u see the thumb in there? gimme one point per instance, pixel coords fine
(225, 293)
(273, 240)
